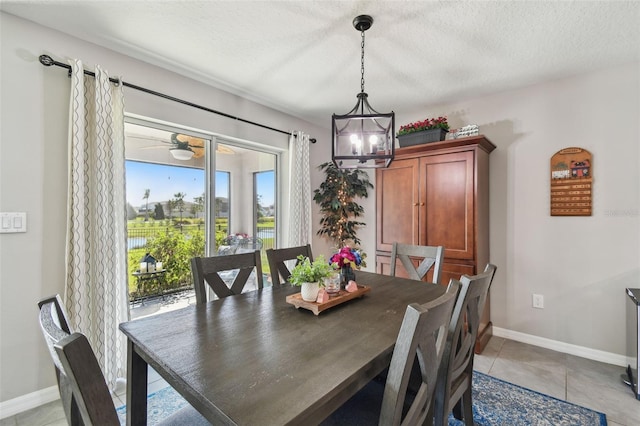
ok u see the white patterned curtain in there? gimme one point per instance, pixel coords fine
(96, 276)
(300, 195)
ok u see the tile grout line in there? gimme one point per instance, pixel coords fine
(497, 355)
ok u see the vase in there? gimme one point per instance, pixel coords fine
(424, 136)
(309, 291)
(332, 284)
(347, 274)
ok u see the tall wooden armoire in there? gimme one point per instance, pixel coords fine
(437, 194)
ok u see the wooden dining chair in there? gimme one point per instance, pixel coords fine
(83, 390)
(454, 390)
(207, 270)
(432, 257)
(422, 336)
(277, 261)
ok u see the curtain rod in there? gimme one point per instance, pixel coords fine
(47, 61)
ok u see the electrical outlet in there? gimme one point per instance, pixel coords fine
(538, 301)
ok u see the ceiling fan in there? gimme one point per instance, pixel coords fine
(185, 147)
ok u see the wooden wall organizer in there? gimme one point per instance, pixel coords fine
(571, 182)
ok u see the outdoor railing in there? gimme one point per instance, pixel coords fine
(266, 234)
(138, 239)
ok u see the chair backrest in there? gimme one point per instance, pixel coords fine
(278, 257)
(422, 336)
(463, 331)
(83, 391)
(207, 270)
(432, 256)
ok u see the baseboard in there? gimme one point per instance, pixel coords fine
(568, 348)
(11, 407)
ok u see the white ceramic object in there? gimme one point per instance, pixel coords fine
(309, 291)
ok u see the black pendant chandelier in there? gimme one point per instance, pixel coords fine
(363, 138)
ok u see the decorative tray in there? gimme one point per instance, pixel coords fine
(316, 308)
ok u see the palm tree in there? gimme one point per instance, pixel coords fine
(171, 205)
(146, 209)
(199, 204)
(179, 203)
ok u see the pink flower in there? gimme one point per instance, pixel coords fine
(427, 124)
(347, 256)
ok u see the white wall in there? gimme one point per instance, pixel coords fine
(33, 164)
(580, 264)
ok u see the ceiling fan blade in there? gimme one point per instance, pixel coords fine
(180, 140)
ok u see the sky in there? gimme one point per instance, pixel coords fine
(165, 181)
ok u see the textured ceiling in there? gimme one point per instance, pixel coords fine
(303, 57)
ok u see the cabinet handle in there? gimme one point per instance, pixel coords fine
(415, 204)
(422, 204)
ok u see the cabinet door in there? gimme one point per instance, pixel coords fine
(455, 271)
(447, 197)
(397, 204)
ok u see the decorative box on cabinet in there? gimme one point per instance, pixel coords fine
(437, 194)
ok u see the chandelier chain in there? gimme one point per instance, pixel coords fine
(362, 63)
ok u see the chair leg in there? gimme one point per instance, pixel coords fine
(467, 407)
(457, 410)
(441, 416)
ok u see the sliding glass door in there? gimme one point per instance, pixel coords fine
(185, 199)
(250, 207)
(166, 208)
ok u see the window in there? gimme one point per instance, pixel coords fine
(221, 205)
(265, 207)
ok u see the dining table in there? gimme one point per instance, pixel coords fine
(255, 359)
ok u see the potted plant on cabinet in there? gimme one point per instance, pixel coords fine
(425, 131)
(310, 276)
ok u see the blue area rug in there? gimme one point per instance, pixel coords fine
(160, 405)
(495, 402)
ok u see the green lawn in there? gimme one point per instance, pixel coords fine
(174, 244)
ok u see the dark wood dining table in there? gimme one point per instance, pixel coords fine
(254, 359)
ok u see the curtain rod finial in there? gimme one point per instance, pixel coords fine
(46, 60)
(312, 140)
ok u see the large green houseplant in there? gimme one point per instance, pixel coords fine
(336, 198)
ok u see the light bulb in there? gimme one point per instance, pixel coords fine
(355, 144)
(373, 144)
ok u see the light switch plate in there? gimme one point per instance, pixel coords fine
(13, 222)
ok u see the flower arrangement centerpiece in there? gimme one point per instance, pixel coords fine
(438, 128)
(347, 259)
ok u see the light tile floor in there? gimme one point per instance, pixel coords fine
(592, 384)
(581, 381)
